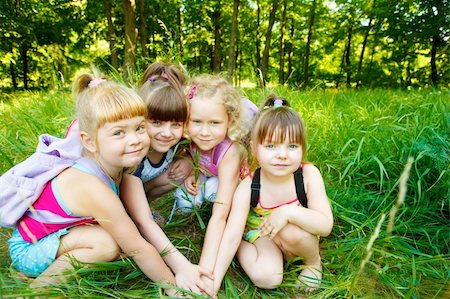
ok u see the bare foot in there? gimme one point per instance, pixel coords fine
(310, 278)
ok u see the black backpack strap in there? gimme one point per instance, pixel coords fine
(300, 187)
(256, 185)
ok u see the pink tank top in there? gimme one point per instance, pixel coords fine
(210, 161)
(33, 226)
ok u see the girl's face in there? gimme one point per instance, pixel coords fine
(279, 158)
(123, 143)
(208, 123)
(164, 134)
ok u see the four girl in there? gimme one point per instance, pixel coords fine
(281, 218)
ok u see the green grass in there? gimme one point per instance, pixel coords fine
(360, 139)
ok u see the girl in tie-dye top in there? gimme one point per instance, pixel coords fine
(279, 211)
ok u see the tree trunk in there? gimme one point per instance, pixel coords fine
(291, 49)
(143, 33)
(129, 7)
(282, 46)
(347, 57)
(257, 44)
(434, 73)
(308, 44)
(232, 54)
(180, 32)
(13, 74)
(111, 34)
(361, 56)
(217, 58)
(265, 58)
(24, 56)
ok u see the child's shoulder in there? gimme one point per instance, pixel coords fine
(85, 182)
(311, 173)
(235, 149)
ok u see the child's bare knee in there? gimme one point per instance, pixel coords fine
(107, 247)
(265, 280)
(292, 235)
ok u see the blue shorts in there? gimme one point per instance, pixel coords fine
(33, 258)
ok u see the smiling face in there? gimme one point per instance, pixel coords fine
(164, 134)
(121, 144)
(279, 157)
(208, 122)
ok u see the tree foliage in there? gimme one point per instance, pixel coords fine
(308, 42)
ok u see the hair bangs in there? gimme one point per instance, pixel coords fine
(117, 105)
(278, 130)
(277, 125)
(169, 110)
(166, 103)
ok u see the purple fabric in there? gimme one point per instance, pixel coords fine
(21, 185)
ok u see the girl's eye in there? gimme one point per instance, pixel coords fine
(177, 125)
(141, 128)
(156, 122)
(293, 146)
(196, 121)
(270, 146)
(119, 133)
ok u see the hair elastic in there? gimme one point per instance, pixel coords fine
(192, 91)
(151, 79)
(96, 82)
(277, 103)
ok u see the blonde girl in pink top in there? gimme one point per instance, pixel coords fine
(216, 128)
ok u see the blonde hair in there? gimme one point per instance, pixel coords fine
(213, 86)
(100, 101)
(276, 121)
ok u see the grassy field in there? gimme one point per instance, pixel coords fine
(383, 245)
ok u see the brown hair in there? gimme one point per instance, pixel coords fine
(163, 71)
(165, 102)
(276, 121)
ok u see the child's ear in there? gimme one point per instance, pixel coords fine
(87, 142)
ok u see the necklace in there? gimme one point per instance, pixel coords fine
(116, 180)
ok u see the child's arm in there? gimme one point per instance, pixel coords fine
(179, 169)
(175, 175)
(234, 229)
(228, 181)
(92, 197)
(133, 197)
(317, 219)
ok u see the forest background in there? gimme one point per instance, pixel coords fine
(370, 78)
(375, 43)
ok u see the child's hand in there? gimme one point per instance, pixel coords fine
(195, 279)
(179, 170)
(209, 283)
(274, 222)
(191, 185)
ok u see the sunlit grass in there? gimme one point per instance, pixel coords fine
(361, 141)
